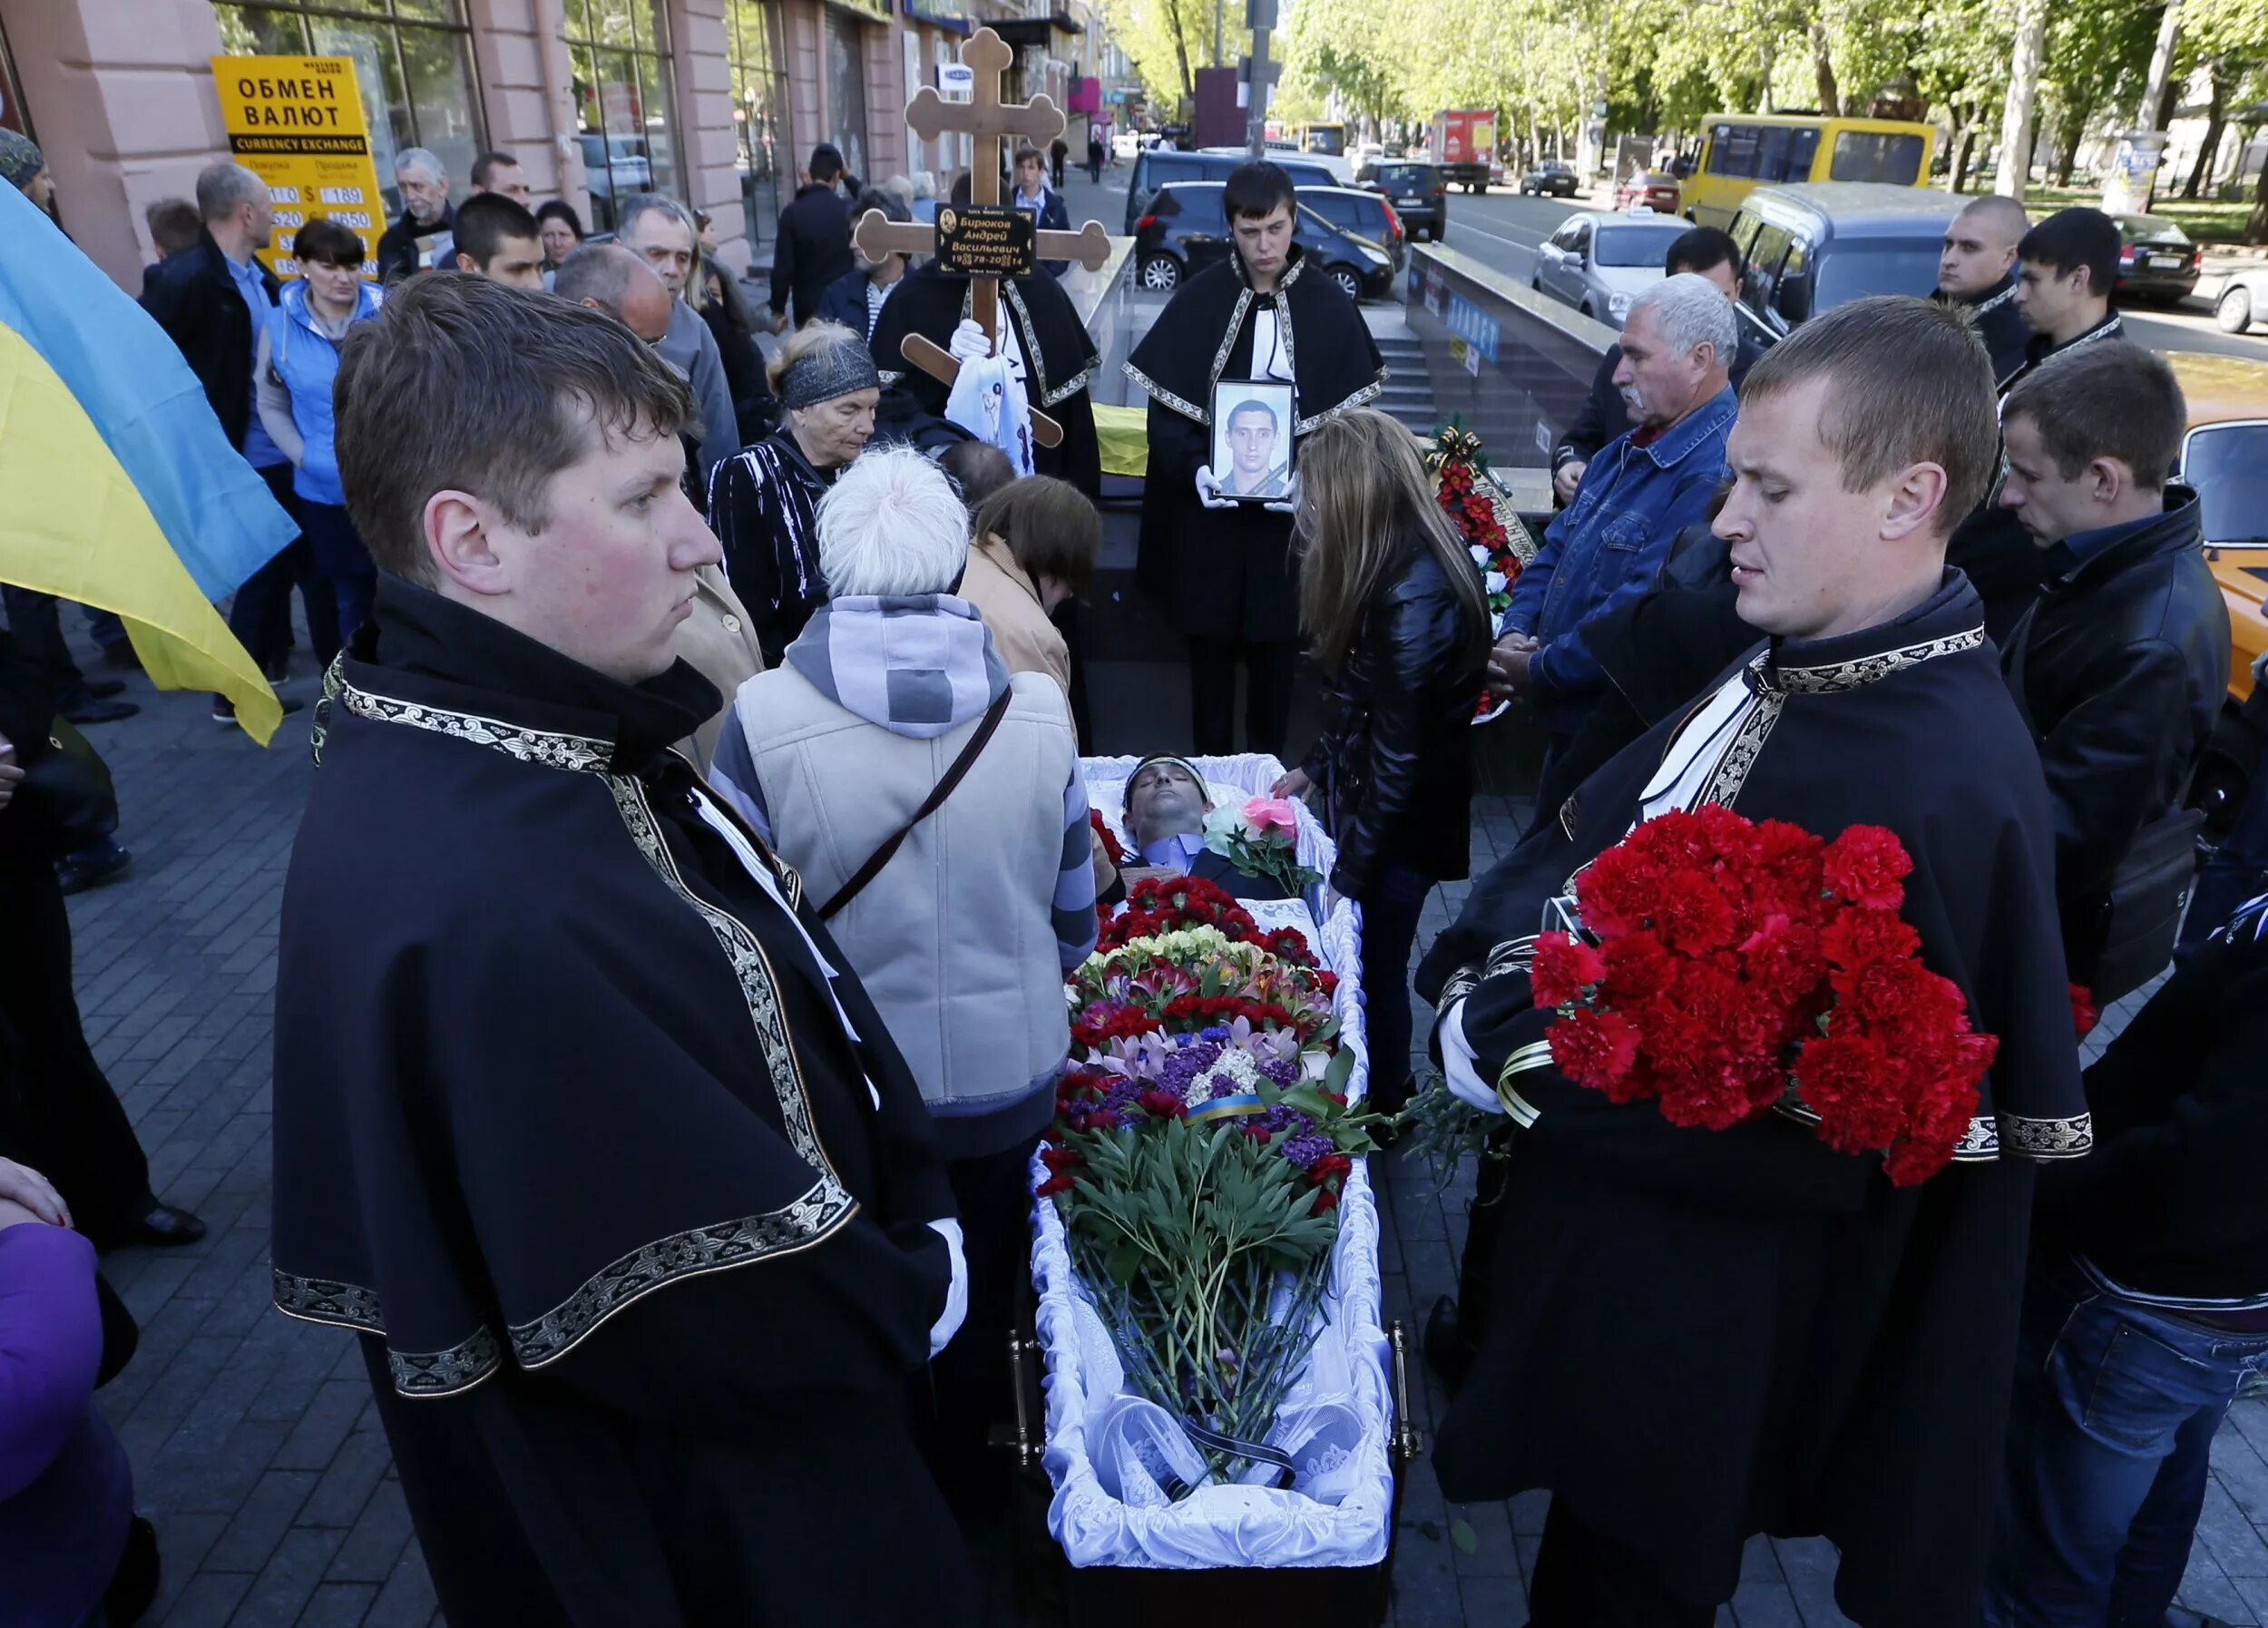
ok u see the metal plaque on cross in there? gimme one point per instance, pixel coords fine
(987, 119)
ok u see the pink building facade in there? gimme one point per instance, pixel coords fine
(716, 103)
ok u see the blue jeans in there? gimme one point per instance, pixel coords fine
(2116, 1407)
(1391, 906)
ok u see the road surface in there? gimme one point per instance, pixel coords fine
(1501, 230)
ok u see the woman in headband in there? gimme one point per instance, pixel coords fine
(763, 504)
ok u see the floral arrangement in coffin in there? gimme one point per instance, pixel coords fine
(1477, 506)
(1200, 1142)
(1729, 969)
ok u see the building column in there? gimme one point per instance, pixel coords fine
(886, 94)
(121, 95)
(803, 37)
(527, 91)
(704, 90)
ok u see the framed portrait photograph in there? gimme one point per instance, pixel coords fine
(1252, 439)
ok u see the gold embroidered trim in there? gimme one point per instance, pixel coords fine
(662, 1263)
(446, 1373)
(1179, 404)
(1740, 754)
(541, 747)
(420, 1374)
(1034, 359)
(328, 1301)
(1368, 393)
(1867, 670)
(1244, 298)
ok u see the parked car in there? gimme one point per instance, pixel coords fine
(2243, 300)
(1125, 143)
(614, 166)
(1363, 215)
(1655, 189)
(1417, 192)
(2157, 261)
(1600, 262)
(1186, 229)
(1162, 166)
(1550, 179)
(2225, 456)
(1813, 245)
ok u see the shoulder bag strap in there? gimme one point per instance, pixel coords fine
(930, 805)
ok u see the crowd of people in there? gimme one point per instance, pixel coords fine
(672, 961)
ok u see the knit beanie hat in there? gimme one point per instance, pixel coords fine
(20, 159)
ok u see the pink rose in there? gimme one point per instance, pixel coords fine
(1272, 813)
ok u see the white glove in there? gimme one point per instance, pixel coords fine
(969, 343)
(1465, 1083)
(956, 1298)
(1208, 490)
(1288, 502)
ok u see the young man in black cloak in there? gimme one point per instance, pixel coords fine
(1225, 569)
(1839, 1350)
(582, 1122)
(1046, 345)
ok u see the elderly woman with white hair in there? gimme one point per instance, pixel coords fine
(933, 804)
(1635, 496)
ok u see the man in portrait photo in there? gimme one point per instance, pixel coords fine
(1252, 433)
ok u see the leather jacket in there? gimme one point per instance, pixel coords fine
(194, 298)
(1395, 762)
(2122, 669)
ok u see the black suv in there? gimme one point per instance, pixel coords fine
(1416, 190)
(1186, 229)
(1155, 167)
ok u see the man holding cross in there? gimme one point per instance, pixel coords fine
(1225, 566)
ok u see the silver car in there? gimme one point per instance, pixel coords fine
(1600, 262)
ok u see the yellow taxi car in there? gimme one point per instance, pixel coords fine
(2225, 456)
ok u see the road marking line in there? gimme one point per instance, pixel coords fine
(1499, 237)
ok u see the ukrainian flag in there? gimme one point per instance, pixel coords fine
(117, 486)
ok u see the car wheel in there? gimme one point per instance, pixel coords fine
(1349, 284)
(2234, 313)
(1161, 273)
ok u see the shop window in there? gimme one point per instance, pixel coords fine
(760, 109)
(412, 61)
(624, 109)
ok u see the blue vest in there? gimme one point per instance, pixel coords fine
(306, 360)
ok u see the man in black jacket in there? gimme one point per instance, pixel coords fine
(2148, 1302)
(2066, 268)
(1705, 251)
(1978, 271)
(212, 301)
(815, 241)
(425, 213)
(2122, 662)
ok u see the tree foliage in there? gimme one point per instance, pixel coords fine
(1169, 40)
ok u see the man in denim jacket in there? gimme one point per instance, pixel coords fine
(1635, 496)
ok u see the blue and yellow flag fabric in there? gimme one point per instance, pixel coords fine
(118, 487)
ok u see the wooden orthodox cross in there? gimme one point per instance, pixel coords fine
(987, 119)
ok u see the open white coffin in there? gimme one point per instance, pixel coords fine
(1336, 1423)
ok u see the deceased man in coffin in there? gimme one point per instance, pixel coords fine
(1167, 801)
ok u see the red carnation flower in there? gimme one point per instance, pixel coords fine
(1059, 1160)
(1053, 1185)
(2084, 1016)
(1162, 1103)
(1595, 1049)
(1327, 1167)
(1690, 914)
(1326, 1200)
(1868, 866)
(1564, 969)
(1856, 938)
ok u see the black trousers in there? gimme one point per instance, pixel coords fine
(1269, 666)
(260, 617)
(57, 1111)
(1584, 1579)
(970, 1379)
(37, 621)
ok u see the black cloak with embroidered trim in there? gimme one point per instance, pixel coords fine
(568, 1127)
(933, 303)
(1229, 573)
(1696, 1336)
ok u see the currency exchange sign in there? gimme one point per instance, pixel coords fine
(296, 122)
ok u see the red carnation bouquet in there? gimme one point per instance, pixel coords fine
(1730, 967)
(1469, 497)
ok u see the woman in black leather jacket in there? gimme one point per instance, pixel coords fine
(1394, 608)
